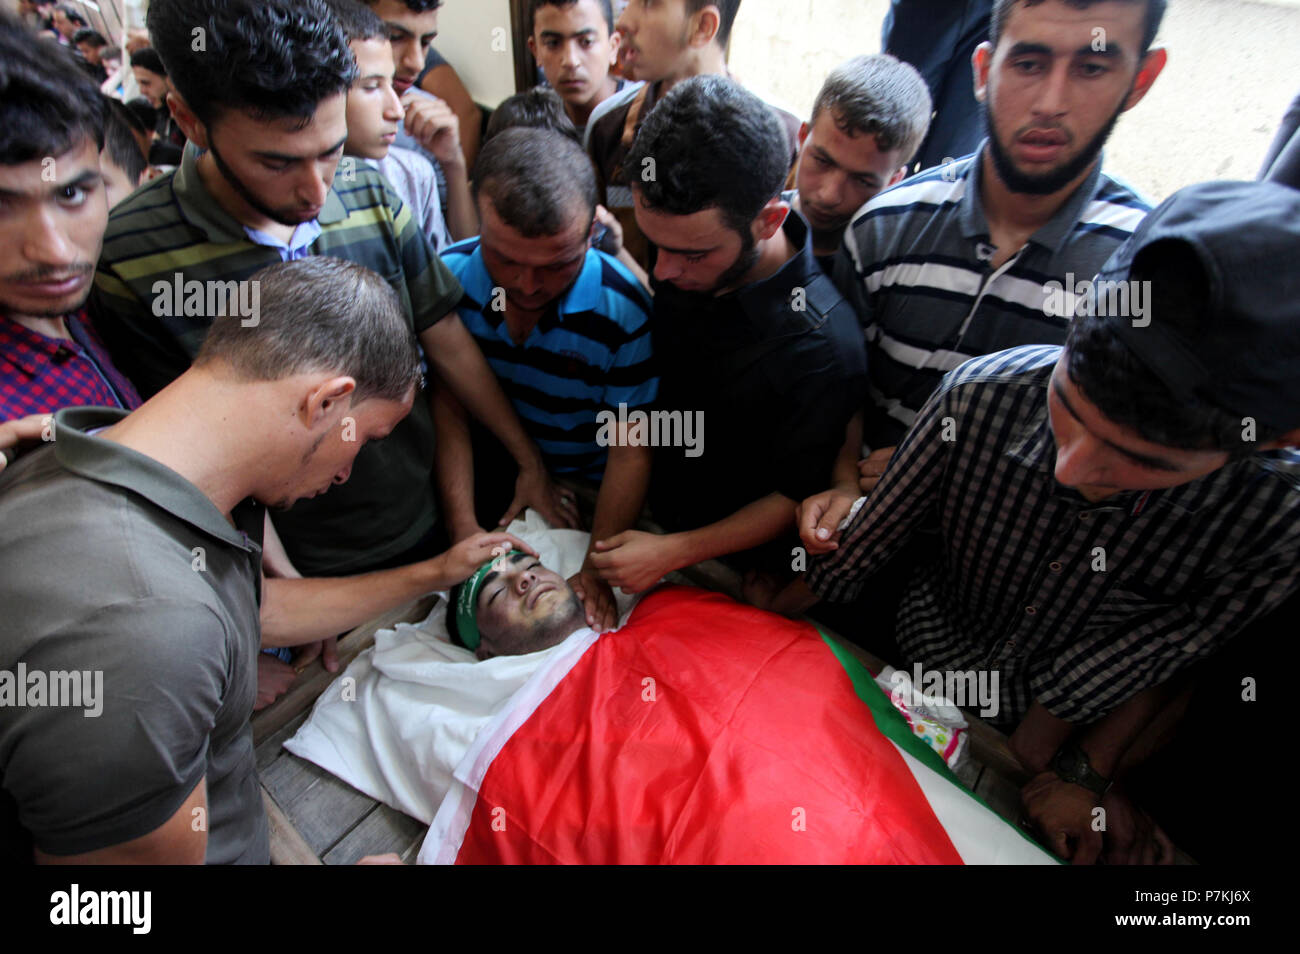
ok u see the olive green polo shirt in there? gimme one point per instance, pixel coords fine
(172, 231)
(135, 603)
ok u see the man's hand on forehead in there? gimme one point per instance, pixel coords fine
(465, 559)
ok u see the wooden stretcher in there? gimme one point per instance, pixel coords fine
(315, 818)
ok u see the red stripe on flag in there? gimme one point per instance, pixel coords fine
(703, 732)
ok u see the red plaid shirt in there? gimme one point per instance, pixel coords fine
(40, 375)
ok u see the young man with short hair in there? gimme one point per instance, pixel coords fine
(575, 44)
(123, 159)
(954, 262)
(567, 330)
(263, 191)
(755, 347)
(374, 115)
(664, 42)
(155, 521)
(151, 76)
(67, 20)
(1103, 515)
(51, 232)
(869, 117)
(90, 44)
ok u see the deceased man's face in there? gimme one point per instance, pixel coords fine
(523, 607)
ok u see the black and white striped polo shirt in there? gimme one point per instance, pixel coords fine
(915, 264)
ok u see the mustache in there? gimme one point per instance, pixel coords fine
(47, 273)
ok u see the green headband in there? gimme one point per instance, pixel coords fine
(467, 603)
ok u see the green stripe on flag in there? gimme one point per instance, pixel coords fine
(893, 725)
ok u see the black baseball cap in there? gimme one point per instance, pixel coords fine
(1245, 356)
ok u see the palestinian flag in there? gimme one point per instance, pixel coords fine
(707, 732)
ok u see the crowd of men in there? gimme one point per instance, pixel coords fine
(292, 347)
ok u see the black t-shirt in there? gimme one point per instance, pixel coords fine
(777, 368)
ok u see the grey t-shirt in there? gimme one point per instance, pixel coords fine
(124, 577)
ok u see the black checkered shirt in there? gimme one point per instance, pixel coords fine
(1077, 605)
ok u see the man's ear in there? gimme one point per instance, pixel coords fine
(770, 218)
(1152, 65)
(804, 130)
(322, 404)
(195, 131)
(703, 28)
(532, 48)
(899, 175)
(615, 42)
(980, 62)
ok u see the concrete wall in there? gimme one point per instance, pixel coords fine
(1211, 114)
(475, 37)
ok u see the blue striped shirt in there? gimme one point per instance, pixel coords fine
(916, 265)
(1077, 605)
(590, 352)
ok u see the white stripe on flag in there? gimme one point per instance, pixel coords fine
(442, 843)
(980, 836)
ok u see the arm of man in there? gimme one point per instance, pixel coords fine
(443, 81)
(177, 841)
(120, 775)
(613, 245)
(825, 512)
(1160, 640)
(301, 611)
(619, 503)
(454, 464)
(630, 381)
(899, 505)
(461, 365)
(635, 560)
(433, 124)
(275, 559)
(1064, 811)
(1143, 660)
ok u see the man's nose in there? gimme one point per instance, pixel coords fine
(1078, 462)
(530, 282)
(312, 186)
(411, 60)
(44, 242)
(668, 267)
(1053, 91)
(830, 191)
(393, 107)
